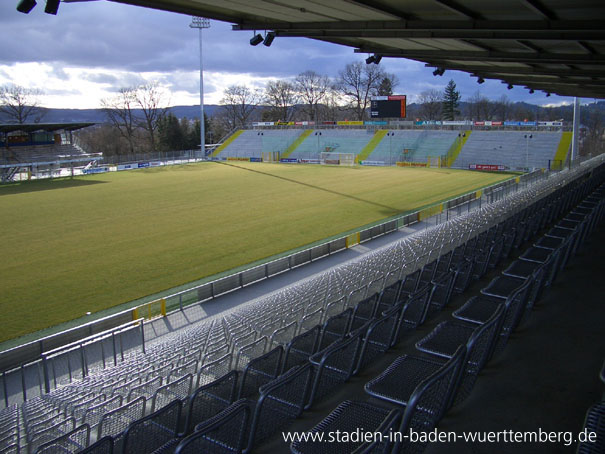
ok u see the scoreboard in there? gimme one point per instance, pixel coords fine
(387, 106)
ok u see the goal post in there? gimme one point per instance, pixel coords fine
(342, 159)
(270, 156)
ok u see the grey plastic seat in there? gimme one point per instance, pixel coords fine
(116, 421)
(259, 371)
(72, 442)
(155, 433)
(478, 340)
(333, 365)
(177, 389)
(377, 338)
(594, 423)
(301, 347)
(336, 328)
(101, 446)
(348, 417)
(227, 432)
(281, 401)
(210, 399)
(479, 309)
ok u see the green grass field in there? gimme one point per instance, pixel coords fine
(94, 242)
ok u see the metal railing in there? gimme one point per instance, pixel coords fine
(70, 362)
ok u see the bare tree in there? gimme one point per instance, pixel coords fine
(281, 96)
(150, 99)
(312, 88)
(20, 105)
(431, 103)
(480, 107)
(503, 108)
(120, 113)
(358, 82)
(238, 104)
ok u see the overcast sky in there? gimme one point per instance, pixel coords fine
(90, 50)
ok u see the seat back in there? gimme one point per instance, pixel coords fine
(335, 328)
(228, 431)
(478, 350)
(259, 371)
(71, 442)
(333, 365)
(101, 446)
(153, 431)
(429, 401)
(211, 399)
(301, 347)
(281, 401)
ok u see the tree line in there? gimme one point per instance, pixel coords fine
(139, 119)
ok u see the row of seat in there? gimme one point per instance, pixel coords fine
(423, 389)
(228, 430)
(358, 323)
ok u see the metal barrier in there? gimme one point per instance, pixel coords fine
(71, 362)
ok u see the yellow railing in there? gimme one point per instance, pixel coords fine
(150, 310)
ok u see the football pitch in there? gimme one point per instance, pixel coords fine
(86, 244)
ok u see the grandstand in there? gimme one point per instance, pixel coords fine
(39, 149)
(514, 150)
(503, 149)
(307, 145)
(240, 376)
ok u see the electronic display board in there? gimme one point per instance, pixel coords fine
(387, 106)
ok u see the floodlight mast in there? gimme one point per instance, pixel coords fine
(201, 23)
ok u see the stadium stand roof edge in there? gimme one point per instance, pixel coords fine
(6, 128)
(553, 46)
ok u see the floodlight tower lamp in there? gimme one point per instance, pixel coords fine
(200, 23)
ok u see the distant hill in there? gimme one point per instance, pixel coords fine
(97, 115)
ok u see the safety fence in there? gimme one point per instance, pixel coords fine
(71, 362)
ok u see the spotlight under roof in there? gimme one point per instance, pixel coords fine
(52, 6)
(269, 39)
(256, 40)
(25, 6)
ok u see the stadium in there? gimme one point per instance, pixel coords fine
(389, 281)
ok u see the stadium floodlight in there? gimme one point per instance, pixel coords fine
(269, 39)
(256, 40)
(370, 59)
(25, 6)
(377, 59)
(201, 23)
(52, 6)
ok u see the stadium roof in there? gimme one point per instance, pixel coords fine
(557, 46)
(49, 127)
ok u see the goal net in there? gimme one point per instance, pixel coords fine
(342, 159)
(270, 156)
